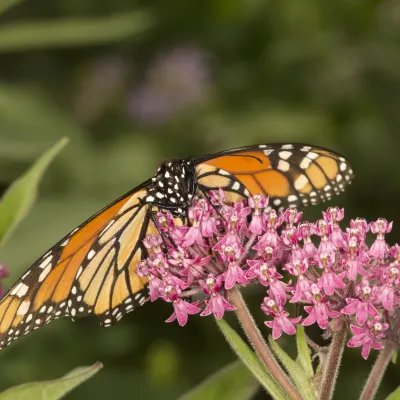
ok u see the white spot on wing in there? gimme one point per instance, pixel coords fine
(285, 154)
(44, 273)
(300, 182)
(20, 290)
(236, 186)
(312, 155)
(23, 308)
(283, 166)
(91, 254)
(223, 172)
(44, 263)
(305, 163)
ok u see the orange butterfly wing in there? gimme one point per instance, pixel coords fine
(292, 175)
(90, 271)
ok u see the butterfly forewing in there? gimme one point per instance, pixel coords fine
(91, 271)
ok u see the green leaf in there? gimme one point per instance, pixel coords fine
(394, 395)
(7, 4)
(72, 32)
(233, 382)
(247, 356)
(394, 357)
(51, 390)
(297, 373)
(303, 351)
(20, 196)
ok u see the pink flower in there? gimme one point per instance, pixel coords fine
(320, 311)
(362, 306)
(216, 304)
(302, 289)
(281, 322)
(380, 248)
(333, 216)
(257, 203)
(328, 273)
(329, 281)
(181, 308)
(368, 336)
(291, 216)
(194, 235)
(234, 274)
(391, 281)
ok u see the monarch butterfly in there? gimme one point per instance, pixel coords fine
(92, 269)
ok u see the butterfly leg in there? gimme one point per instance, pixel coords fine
(152, 216)
(203, 191)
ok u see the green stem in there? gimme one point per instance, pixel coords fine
(258, 343)
(377, 371)
(332, 363)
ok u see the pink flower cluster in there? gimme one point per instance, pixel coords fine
(326, 271)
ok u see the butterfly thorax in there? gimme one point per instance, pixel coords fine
(173, 186)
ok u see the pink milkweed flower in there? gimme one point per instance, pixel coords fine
(320, 311)
(355, 260)
(362, 306)
(291, 216)
(208, 223)
(290, 238)
(391, 282)
(153, 244)
(238, 248)
(281, 322)
(324, 230)
(361, 225)
(232, 235)
(235, 273)
(333, 216)
(302, 288)
(257, 203)
(305, 231)
(368, 336)
(380, 249)
(329, 281)
(216, 304)
(269, 277)
(194, 235)
(182, 308)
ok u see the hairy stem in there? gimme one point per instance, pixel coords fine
(332, 363)
(261, 348)
(377, 372)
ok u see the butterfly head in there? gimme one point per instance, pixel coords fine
(173, 186)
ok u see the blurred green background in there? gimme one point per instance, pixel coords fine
(134, 82)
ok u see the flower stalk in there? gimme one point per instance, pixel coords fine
(377, 372)
(260, 346)
(332, 363)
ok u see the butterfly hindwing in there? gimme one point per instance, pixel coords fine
(292, 175)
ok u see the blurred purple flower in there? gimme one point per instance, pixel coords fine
(4, 273)
(174, 81)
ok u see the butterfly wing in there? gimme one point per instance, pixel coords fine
(291, 175)
(90, 271)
